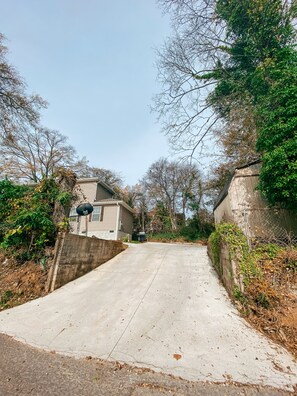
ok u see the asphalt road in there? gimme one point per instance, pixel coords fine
(27, 371)
(159, 306)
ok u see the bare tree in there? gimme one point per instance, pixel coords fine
(236, 138)
(111, 178)
(136, 197)
(131, 195)
(17, 108)
(173, 185)
(107, 176)
(185, 63)
(35, 154)
(214, 42)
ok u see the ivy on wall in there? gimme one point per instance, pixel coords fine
(234, 238)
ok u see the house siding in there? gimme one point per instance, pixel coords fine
(127, 221)
(102, 193)
(107, 224)
(86, 192)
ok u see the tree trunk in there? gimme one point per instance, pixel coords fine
(66, 180)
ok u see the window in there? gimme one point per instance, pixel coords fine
(73, 216)
(96, 214)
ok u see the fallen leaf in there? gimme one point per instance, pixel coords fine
(177, 356)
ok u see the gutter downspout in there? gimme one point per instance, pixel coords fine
(118, 222)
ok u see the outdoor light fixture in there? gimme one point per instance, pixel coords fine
(84, 210)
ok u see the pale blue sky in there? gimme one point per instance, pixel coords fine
(93, 61)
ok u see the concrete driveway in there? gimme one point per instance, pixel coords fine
(159, 306)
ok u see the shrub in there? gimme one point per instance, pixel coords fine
(27, 225)
(196, 229)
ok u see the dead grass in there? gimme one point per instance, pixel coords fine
(271, 304)
(20, 283)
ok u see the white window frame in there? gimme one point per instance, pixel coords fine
(96, 214)
(73, 216)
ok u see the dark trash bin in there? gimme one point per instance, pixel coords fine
(134, 236)
(141, 237)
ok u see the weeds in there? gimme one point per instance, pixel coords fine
(269, 271)
(6, 296)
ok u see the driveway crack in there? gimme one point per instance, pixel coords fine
(141, 301)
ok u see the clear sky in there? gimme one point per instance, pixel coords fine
(93, 61)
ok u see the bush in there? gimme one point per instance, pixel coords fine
(277, 138)
(26, 214)
(195, 229)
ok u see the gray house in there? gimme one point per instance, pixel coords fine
(241, 203)
(111, 218)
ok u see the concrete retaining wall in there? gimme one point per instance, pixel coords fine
(77, 255)
(227, 269)
(245, 206)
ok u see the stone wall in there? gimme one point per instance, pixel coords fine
(76, 255)
(227, 269)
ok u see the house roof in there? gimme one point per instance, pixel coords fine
(225, 189)
(96, 180)
(111, 201)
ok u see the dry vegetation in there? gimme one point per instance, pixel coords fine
(20, 283)
(270, 302)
